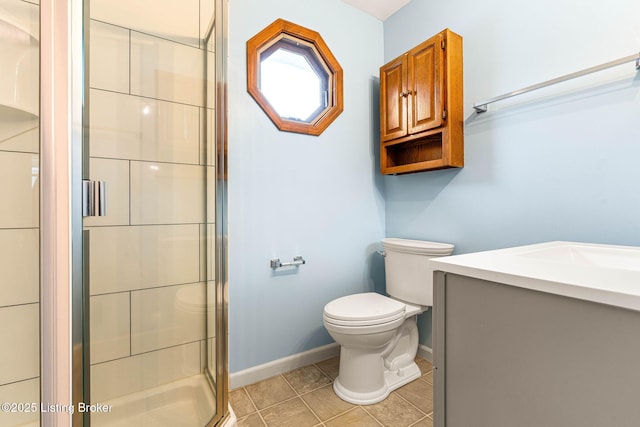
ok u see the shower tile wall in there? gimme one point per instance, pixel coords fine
(148, 140)
(19, 208)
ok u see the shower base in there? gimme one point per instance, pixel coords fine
(188, 402)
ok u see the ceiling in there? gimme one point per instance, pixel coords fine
(381, 9)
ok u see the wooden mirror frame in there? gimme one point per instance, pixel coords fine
(270, 35)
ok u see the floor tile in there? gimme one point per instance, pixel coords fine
(270, 391)
(330, 367)
(305, 397)
(425, 422)
(292, 413)
(252, 420)
(306, 379)
(354, 418)
(424, 365)
(241, 403)
(420, 393)
(325, 403)
(394, 411)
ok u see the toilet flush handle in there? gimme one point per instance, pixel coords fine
(383, 253)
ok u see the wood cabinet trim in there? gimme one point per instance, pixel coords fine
(267, 37)
(425, 130)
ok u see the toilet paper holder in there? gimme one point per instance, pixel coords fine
(297, 260)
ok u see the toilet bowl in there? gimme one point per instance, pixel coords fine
(378, 334)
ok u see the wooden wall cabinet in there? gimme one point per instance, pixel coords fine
(421, 107)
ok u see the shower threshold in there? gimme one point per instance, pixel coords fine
(188, 402)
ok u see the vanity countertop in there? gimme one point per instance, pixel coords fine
(606, 274)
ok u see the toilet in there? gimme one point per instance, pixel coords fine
(378, 335)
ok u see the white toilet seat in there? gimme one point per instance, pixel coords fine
(363, 329)
(365, 313)
(367, 308)
(362, 323)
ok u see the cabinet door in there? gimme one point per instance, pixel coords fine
(393, 99)
(426, 85)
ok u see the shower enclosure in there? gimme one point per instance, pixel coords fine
(19, 211)
(147, 217)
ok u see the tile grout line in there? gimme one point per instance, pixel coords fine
(254, 405)
(324, 372)
(371, 415)
(303, 401)
(421, 419)
(415, 406)
(356, 406)
(342, 413)
(323, 423)
(147, 97)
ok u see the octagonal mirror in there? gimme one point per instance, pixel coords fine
(294, 77)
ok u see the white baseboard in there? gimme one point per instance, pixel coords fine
(425, 352)
(280, 366)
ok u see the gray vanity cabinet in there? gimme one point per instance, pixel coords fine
(505, 356)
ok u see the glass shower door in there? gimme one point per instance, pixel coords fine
(150, 289)
(19, 213)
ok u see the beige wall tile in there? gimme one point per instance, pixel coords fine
(167, 316)
(109, 57)
(19, 61)
(127, 258)
(166, 70)
(20, 335)
(19, 266)
(211, 309)
(130, 127)
(164, 193)
(211, 253)
(211, 348)
(211, 194)
(116, 175)
(177, 19)
(23, 391)
(203, 253)
(207, 16)
(22, 15)
(211, 138)
(22, 135)
(110, 325)
(132, 374)
(211, 80)
(19, 190)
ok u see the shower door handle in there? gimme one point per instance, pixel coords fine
(94, 198)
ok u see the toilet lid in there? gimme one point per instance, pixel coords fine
(369, 307)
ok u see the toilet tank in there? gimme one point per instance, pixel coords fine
(408, 277)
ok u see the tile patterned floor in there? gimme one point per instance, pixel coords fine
(305, 397)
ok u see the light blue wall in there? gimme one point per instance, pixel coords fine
(290, 194)
(557, 164)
